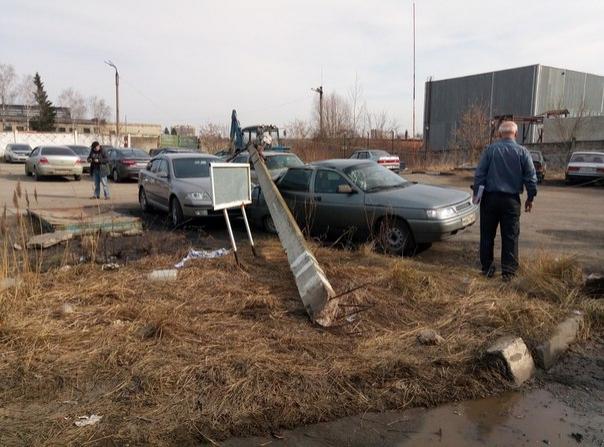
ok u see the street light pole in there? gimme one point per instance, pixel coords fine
(117, 100)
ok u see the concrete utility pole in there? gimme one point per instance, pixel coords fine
(117, 99)
(413, 136)
(319, 90)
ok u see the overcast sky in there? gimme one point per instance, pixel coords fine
(194, 61)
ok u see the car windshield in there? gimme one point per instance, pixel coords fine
(372, 177)
(191, 167)
(80, 150)
(587, 158)
(380, 153)
(22, 148)
(282, 162)
(137, 153)
(60, 151)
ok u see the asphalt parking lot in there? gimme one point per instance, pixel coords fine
(565, 219)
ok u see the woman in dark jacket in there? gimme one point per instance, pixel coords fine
(99, 170)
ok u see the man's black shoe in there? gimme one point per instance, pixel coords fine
(490, 272)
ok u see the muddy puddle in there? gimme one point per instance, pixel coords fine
(534, 417)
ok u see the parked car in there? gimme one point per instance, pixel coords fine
(125, 163)
(381, 157)
(364, 199)
(83, 152)
(46, 161)
(540, 164)
(16, 153)
(585, 167)
(276, 162)
(223, 154)
(178, 184)
(170, 150)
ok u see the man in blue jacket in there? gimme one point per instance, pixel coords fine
(504, 170)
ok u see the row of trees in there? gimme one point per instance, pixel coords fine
(344, 116)
(29, 91)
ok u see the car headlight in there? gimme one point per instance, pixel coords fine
(441, 213)
(201, 195)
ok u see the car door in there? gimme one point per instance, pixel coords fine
(148, 182)
(31, 159)
(162, 183)
(294, 187)
(339, 204)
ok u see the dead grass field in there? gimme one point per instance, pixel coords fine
(229, 352)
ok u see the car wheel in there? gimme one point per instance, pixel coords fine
(116, 176)
(36, 175)
(395, 237)
(269, 224)
(176, 212)
(142, 200)
(77, 178)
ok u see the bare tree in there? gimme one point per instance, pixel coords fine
(298, 129)
(8, 77)
(213, 137)
(99, 111)
(336, 116)
(26, 91)
(472, 133)
(358, 107)
(75, 101)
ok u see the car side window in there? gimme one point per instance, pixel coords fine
(327, 182)
(34, 152)
(155, 165)
(363, 155)
(355, 155)
(296, 180)
(163, 168)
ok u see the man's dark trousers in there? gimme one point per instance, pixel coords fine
(500, 209)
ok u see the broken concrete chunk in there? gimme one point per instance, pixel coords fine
(429, 337)
(110, 266)
(163, 275)
(565, 333)
(46, 240)
(515, 357)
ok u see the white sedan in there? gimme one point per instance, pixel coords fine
(585, 167)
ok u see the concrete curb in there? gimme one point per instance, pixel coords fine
(548, 352)
(512, 356)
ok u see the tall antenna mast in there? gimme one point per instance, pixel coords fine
(413, 136)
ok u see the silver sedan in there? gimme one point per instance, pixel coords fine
(178, 184)
(46, 161)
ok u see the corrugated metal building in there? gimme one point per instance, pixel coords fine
(524, 91)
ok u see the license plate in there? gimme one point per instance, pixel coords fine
(468, 220)
(588, 170)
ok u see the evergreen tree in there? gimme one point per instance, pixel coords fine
(46, 120)
(166, 131)
(173, 131)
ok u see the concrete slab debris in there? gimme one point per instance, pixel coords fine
(513, 354)
(163, 275)
(86, 220)
(46, 240)
(565, 333)
(313, 286)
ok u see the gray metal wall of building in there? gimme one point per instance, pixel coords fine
(524, 91)
(500, 92)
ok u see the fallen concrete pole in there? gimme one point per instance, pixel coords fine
(313, 286)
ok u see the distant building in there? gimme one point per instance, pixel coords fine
(17, 117)
(517, 92)
(185, 130)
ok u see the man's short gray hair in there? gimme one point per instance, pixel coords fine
(508, 127)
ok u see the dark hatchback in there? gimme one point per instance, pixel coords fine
(125, 163)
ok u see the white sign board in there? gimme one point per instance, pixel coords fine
(231, 186)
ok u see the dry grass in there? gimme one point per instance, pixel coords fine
(231, 352)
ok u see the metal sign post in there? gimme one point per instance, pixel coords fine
(231, 188)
